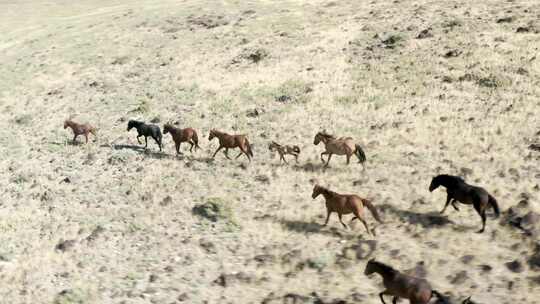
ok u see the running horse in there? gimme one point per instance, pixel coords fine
(339, 146)
(228, 141)
(80, 129)
(458, 190)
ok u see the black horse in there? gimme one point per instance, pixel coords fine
(459, 191)
(146, 130)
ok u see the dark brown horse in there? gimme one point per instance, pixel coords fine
(228, 141)
(179, 136)
(80, 129)
(345, 204)
(459, 191)
(399, 285)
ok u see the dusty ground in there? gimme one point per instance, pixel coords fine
(426, 87)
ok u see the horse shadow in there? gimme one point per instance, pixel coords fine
(140, 149)
(311, 228)
(311, 167)
(426, 220)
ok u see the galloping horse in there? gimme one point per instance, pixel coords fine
(179, 136)
(339, 146)
(146, 130)
(80, 129)
(459, 191)
(345, 204)
(399, 285)
(228, 141)
(284, 150)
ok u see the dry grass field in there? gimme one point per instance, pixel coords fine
(426, 87)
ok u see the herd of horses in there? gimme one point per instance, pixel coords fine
(398, 285)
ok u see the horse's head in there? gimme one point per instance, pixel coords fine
(66, 124)
(167, 128)
(317, 139)
(435, 183)
(131, 124)
(272, 146)
(317, 190)
(212, 134)
(370, 267)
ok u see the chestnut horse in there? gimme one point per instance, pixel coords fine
(228, 141)
(399, 285)
(339, 146)
(179, 136)
(345, 204)
(80, 129)
(458, 190)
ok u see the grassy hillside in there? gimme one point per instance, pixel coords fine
(426, 87)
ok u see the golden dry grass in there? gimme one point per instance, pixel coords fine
(355, 68)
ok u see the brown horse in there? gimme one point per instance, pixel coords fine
(345, 204)
(80, 129)
(458, 190)
(228, 141)
(399, 285)
(284, 150)
(179, 136)
(339, 146)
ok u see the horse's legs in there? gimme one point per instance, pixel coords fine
(138, 140)
(283, 157)
(239, 154)
(328, 161)
(191, 148)
(341, 220)
(328, 212)
(381, 296)
(158, 142)
(220, 147)
(146, 142)
(243, 151)
(482, 212)
(86, 137)
(75, 138)
(177, 147)
(394, 300)
(296, 158)
(227, 153)
(324, 153)
(454, 205)
(348, 158)
(448, 199)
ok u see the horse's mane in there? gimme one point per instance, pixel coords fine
(384, 267)
(327, 135)
(450, 177)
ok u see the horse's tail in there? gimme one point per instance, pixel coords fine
(196, 139)
(249, 151)
(296, 149)
(493, 202)
(360, 153)
(437, 294)
(372, 209)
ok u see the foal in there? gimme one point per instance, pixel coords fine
(339, 146)
(228, 141)
(283, 150)
(399, 285)
(179, 136)
(345, 204)
(146, 130)
(80, 129)
(459, 191)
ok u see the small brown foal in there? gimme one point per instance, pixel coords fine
(284, 150)
(80, 129)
